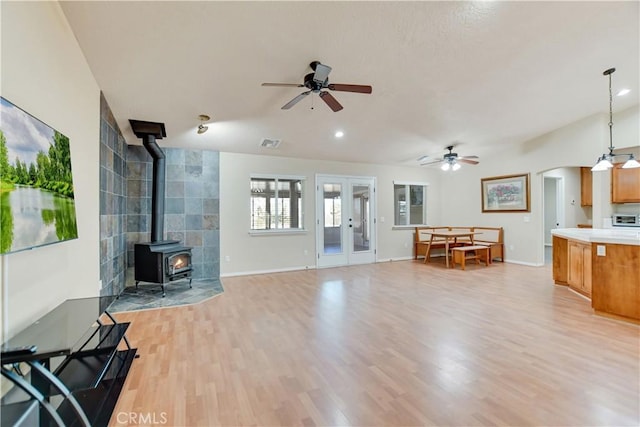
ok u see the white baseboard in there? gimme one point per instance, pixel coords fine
(313, 267)
(530, 264)
(407, 258)
(275, 270)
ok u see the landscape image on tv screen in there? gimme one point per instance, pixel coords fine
(37, 205)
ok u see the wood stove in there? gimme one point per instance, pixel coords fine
(162, 262)
(159, 261)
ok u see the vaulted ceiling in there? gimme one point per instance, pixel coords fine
(476, 74)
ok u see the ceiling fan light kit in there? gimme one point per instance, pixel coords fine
(605, 161)
(450, 161)
(316, 82)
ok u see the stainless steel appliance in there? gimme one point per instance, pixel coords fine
(626, 220)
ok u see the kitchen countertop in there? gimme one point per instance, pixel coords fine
(620, 235)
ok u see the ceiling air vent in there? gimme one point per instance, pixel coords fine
(270, 143)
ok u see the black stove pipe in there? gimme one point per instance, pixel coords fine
(157, 198)
(149, 132)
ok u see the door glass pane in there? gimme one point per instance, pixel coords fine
(359, 219)
(332, 194)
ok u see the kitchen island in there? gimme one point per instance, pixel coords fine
(603, 265)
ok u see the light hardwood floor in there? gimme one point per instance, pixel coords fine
(399, 343)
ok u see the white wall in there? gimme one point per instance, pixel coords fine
(250, 253)
(45, 73)
(454, 197)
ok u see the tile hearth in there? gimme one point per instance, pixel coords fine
(149, 295)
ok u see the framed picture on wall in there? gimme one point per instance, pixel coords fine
(507, 193)
(37, 202)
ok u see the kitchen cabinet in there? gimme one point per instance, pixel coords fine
(625, 184)
(616, 288)
(560, 259)
(579, 269)
(586, 186)
(602, 265)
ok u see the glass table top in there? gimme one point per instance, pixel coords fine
(62, 330)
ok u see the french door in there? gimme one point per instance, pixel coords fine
(345, 220)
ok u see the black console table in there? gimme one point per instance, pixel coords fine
(76, 371)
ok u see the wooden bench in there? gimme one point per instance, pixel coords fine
(493, 237)
(462, 253)
(421, 240)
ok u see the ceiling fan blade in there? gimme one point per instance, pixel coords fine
(321, 73)
(350, 88)
(295, 100)
(330, 101)
(432, 162)
(470, 162)
(468, 157)
(283, 84)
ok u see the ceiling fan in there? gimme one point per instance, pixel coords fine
(316, 82)
(449, 160)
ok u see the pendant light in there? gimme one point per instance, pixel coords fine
(605, 161)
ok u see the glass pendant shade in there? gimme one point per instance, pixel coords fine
(455, 166)
(602, 165)
(631, 163)
(445, 166)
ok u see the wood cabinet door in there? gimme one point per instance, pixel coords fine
(625, 184)
(575, 265)
(586, 187)
(560, 260)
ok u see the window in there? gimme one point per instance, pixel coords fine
(276, 203)
(410, 203)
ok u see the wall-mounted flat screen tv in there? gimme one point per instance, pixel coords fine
(37, 204)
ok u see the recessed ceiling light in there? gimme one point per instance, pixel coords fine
(623, 92)
(339, 134)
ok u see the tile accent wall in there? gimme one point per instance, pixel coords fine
(113, 203)
(192, 205)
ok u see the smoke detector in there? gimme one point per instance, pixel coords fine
(270, 143)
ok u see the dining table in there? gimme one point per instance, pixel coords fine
(450, 235)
